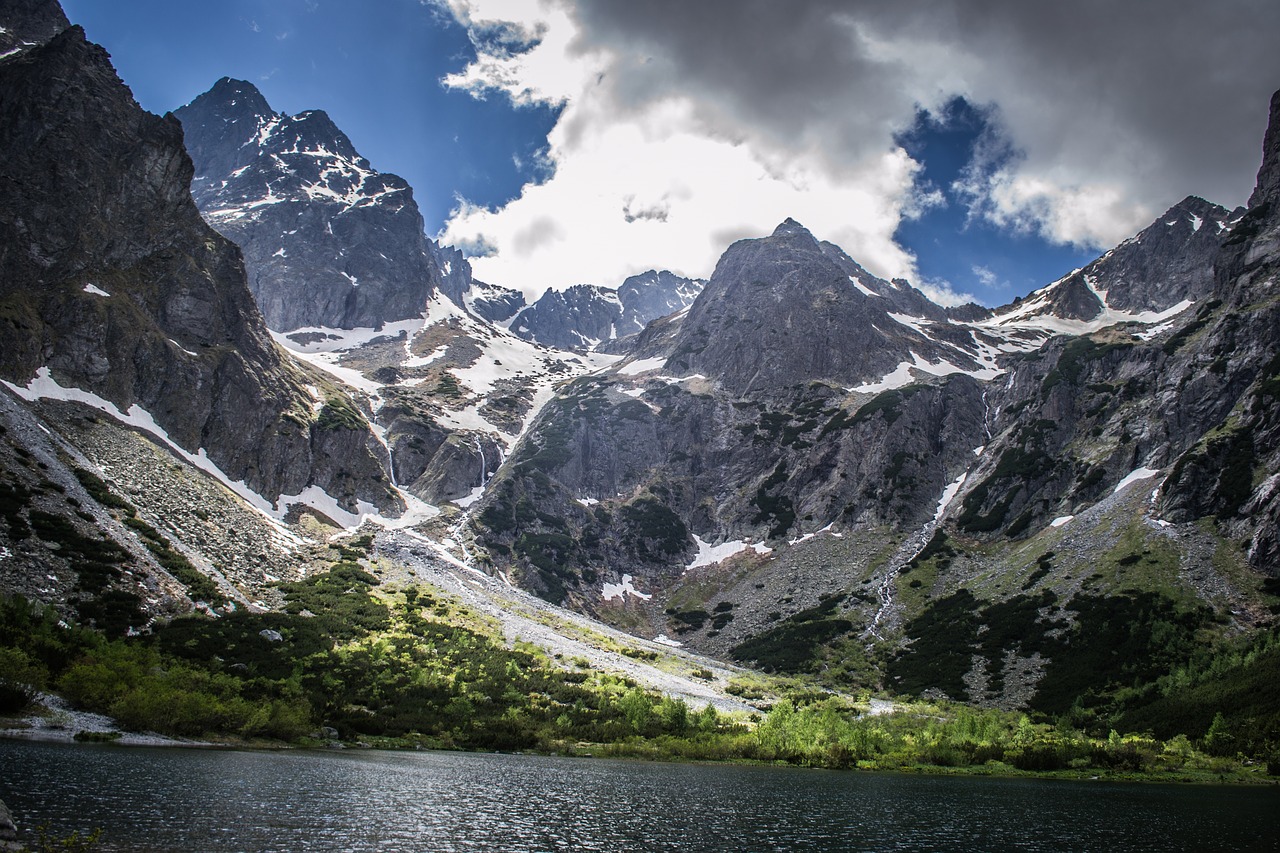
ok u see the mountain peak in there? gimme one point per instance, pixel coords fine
(789, 227)
(25, 23)
(229, 93)
(327, 239)
(1269, 173)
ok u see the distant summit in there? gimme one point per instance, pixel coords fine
(328, 240)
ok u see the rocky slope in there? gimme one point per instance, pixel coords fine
(117, 297)
(794, 464)
(328, 241)
(811, 462)
(1155, 274)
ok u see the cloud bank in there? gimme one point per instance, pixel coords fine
(688, 125)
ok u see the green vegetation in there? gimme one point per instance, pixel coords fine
(413, 669)
(1108, 644)
(338, 413)
(1075, 355)
(794, 644)
(1017, 467)
(653, 531)
(775, 508)
(199, 586)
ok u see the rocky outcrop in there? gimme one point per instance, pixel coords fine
(1167, 264)
(800, 392)
(653, 294)
(577, 318)
(785, 310)
(28, 23)
(327, 239)
(1233, 473)
(8, 830)
(586, 317)
(112, 282)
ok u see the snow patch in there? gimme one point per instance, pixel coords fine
(904, 375)
(709, 555)
(1133, 477)
(642, 365)
(184, 349)
(1061, 520)
(471, 498)
(667, 641)
(95, 290)
(868, 291)
(948, 495)
(806, 537)
(622, 590)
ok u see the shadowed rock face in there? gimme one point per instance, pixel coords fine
(28, 23)
(764, 412)
(110, 278)
(327, 240)
(786, 309)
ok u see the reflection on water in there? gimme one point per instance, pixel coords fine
(213, 800)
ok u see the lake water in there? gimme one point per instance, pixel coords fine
(217, 800)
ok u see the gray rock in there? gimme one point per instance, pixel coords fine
(101, 205)
(327, 239)
(27, 23)
(587, 317)
(8, 830)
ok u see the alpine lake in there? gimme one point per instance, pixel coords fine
(180, 799)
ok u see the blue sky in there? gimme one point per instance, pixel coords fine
(948, 240)
(374, 67)
(980, 150)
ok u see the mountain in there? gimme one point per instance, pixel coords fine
(794, 465)
(1149, 277)
(116, 298)
(30, 23)
(587, 317)
(811, 463)
(328, 241)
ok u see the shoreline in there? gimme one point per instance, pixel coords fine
(1238, 778)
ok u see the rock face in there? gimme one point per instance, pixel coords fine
(653, 294)
(1168, 263)
(577, 318)
(1233, 472)
(586, 317)
(112, 282)
(800, 393)
(787, 309)
(328, 241)
(28, 23)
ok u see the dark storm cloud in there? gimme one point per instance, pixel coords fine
(1151, 99)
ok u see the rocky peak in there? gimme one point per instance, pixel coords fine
(789, 227)
(1268, 187)
(1166, 265)
(328, 241)
(28, 23)
(786, 309)
(590, 317)
(113, 287)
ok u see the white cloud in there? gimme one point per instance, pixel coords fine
(985, 277)
(648, 182)
(686, 125)
(944, 293)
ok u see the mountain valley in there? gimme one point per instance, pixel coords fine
(233, 357)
